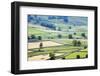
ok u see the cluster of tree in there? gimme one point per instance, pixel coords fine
(70, 36)
(49, 25)
(64, 18)
(34, 37)
(43, 20)
(78, 56)
(76, 43)
(33, 19)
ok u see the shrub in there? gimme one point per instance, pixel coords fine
(59, 35)
(78, 56)
(70, 36)
(85, 47)
(78, 43)
(74, 42)
(52, 56)
(86, 56)
(33, 36)
(39, 38)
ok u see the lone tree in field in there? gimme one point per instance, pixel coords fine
(74, 33)
(52, 56)
(70, 27)
(86, 56)
(78, 56)
(59, 36)
(74, 42)
(39, 38)
(40, 46)
(85, 47)
(83, 35)
(70, 36)
(33, 36)
(63, 58)
(29, 37)
(78, 43)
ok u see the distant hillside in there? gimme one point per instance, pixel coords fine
(51, 21)
(78, 20)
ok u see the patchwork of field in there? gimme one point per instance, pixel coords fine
(60, 51)
(58, 41)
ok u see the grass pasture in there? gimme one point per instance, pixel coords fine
(60, 39)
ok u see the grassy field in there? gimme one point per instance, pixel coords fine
(56, 43)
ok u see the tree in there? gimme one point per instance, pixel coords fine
(29, 37)
(78, 56)
(52, 56)
(70, 36)
(33, 36)
(74, 33)
(86, 55)
(41, 45)
(85, 47)
(39, 38)
(63, 58)
(74, 42)
(83, 35)
(70, 27)
(59, 35)
(78, 43)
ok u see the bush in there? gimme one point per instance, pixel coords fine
(83, 35)
(85, 47)
(70, 36)
(70, 27)
(33, 36)
(78, 56)
(74, 33)
(74, 42)
(52, 56)
(86, 55)
(78, 43)
(63, 58)
(29, 37)
(59, 35)
(39, 38)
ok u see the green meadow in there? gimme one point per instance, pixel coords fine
(66, 41)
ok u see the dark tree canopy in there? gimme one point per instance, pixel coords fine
(39, 38)
(70, 36)
(33, 36)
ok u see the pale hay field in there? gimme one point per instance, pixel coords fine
(45, 44)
